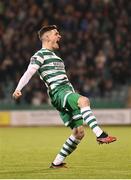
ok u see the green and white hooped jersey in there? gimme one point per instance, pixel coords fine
(50, 68)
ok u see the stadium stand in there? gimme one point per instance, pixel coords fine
(98, 61)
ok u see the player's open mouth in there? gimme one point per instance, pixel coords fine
(58, 41)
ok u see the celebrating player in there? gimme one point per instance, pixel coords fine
(74, 108)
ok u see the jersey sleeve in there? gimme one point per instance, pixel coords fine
(37, 60)
(31, 70)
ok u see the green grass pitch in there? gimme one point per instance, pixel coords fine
(26, 153)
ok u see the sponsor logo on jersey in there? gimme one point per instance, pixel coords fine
(58, 65)
(33, 60)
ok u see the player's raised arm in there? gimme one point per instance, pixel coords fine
(31, 70)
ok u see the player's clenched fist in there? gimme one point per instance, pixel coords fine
(17, 94)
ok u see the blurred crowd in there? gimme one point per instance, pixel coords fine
(96, 44)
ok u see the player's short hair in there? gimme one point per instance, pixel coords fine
(45, 29)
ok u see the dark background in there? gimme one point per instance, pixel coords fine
(95, 46)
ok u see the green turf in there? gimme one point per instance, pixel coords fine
(27, 153)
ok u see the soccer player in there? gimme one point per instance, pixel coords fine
(74, 108)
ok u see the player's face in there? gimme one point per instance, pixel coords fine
(55, 38)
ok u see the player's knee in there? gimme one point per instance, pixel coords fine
(79, 132)
(83, 101)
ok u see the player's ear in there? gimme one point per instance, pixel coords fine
(46, 37)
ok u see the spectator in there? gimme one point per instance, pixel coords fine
(96, 46)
